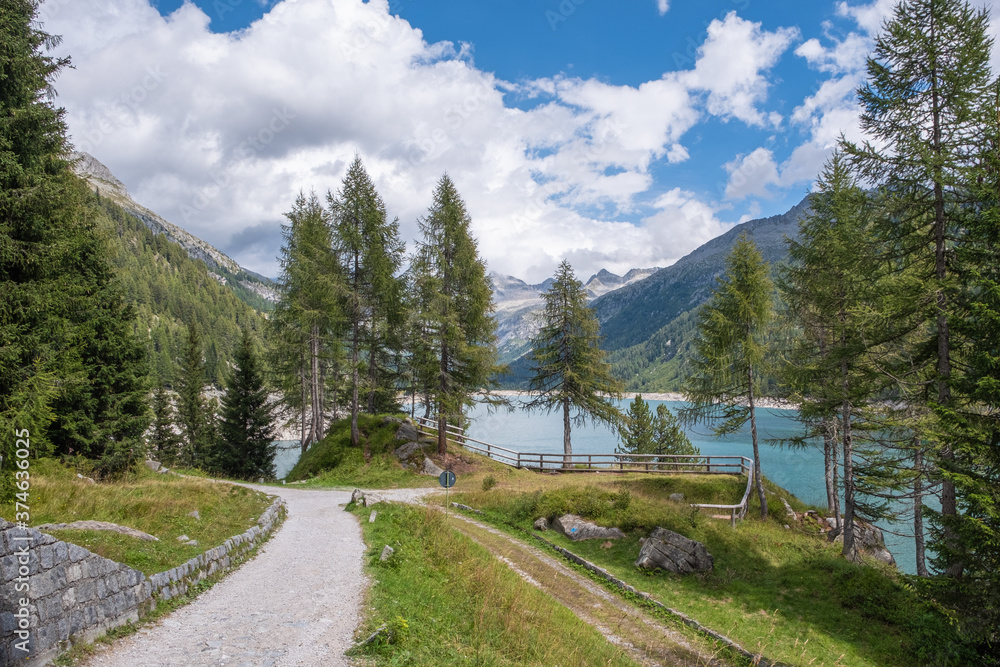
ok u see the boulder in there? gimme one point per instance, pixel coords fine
(542, 524)
(408, 431)
(98, 525)
(677, 497)
(576, 529)
(386, 553)
(358, 496)
(430, 468)
(867, 538)
(410, 453)
(152, 465)
(673, 552)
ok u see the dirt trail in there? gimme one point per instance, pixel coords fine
(648, 640)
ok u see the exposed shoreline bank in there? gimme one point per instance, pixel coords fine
(763, 402)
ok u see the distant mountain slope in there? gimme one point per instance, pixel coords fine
(517, 304)
(633, 314)
(251, 287)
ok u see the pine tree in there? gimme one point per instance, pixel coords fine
(371, 253)
(62, 315)
(192, 411)
(307, 322)
(923, 106)
(637, 430)
(457, 307)
(245, 447)
(163, 441)
(568, 370)
(669, 437)
(729, 366)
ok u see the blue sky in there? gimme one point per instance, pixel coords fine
(616, 135)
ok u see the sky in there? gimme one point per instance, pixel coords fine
(616, 135)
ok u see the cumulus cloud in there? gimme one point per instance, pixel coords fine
(218, 132)
(732, 66)
(751, 175)
(662, 6)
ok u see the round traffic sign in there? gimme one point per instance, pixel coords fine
(447, 479)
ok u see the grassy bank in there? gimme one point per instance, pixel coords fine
(785, 593)
(156, 504)
(446, 601)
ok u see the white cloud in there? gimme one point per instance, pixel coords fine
(662, 6)
(751, 175)
(218, 132)
(732, 64)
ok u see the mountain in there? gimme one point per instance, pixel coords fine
(255, 289)
(517, 304)
(648, 327)
(172, 278)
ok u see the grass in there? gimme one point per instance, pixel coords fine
(155, 504)
(333, 462)
(444, 600)
(785, 593)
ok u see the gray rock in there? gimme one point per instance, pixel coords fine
(408, 431)
(183, 538)
(677, 497)
(152, 465)
(867, 538)
(387, 553)
(88, 480)
(430, 468)
(192, 543)
(195, 514)
(371, 517)
(542, 524)
(576, 529)
(670, 551)
(789, 512)
(358, 496)
(99, 525)
(409, 453)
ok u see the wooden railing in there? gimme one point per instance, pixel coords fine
(617, 462)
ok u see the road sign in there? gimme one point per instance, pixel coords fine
(447, 479)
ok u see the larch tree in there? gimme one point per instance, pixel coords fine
(457, 307)
(923, 109)
(371, 254)
(731, 351)
(568, 369)
(308, 316)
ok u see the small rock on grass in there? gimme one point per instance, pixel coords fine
(542, 524)
(371, 517)
(387, 553)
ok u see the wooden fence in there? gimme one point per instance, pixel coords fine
(616, 462)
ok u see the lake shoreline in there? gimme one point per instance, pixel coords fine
(764, 402)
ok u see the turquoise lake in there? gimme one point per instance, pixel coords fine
(798, 470)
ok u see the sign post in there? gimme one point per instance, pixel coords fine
(447, 480)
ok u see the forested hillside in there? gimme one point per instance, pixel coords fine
(168, 289)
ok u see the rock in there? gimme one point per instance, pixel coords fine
(99, 525)
(371, 517)
(867, 538)
(195, 514)
(183, 538)
(358, 496)
(542, 524)
(192, 543)
(408, 431)
(670, 551)
(88, 480)
(789, 511)
(152, 465)
(677, 497)
(163, 471)
(430, 468)
(387, 553)
(576, 529)
(410, 454)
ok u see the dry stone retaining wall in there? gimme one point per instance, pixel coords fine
(73, 594)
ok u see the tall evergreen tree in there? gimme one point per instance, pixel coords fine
(163, 441)
(371, 253)
(923, 106)
(308, 317)
(636, 430)
(192, 411)
(568, 370)
(731, 351)
(670, 438)
(457, 309)
(245, 447)
(62, 316)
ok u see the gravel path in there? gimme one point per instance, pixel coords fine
(296, 603)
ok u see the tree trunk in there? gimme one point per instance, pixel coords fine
(304, 442)
(567, 445)
(845, 412)
(316, 385)
(918, 509)
(442, 418)
(756, 449)
(355, 435)
(830, 464)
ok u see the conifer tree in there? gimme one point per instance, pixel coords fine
(245, 447)
(457, 309)
(568, 370)
(729, 366)
(923, 107)
(308, 317)
(62, 316)
(163, 440)
(670, 438)
(371, 254)
(636, 430)
(192, 411)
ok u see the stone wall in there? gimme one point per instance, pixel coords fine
(64, 593)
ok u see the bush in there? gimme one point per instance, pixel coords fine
(489, 482)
